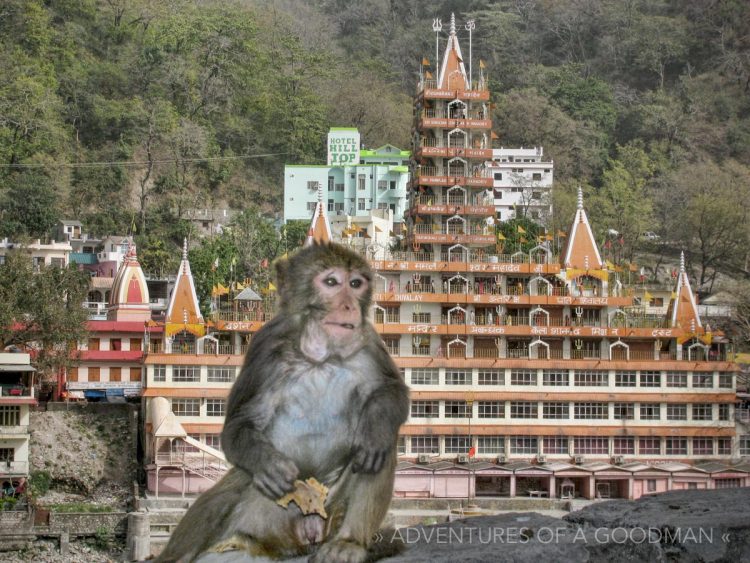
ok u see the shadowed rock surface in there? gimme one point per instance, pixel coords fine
(699, 526)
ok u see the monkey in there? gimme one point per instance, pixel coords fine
(317, 396)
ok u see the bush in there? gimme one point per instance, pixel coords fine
(40, 482)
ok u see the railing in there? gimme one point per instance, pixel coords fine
(742, 415)
(451, 171)
(209, 349)
(443, 199)
(451, 114)
(387, 318)
(14, 390)
(14, 429)
(238, 316)
(433, 84)
(14, 467)
(423, 229)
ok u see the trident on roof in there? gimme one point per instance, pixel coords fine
(437, 27)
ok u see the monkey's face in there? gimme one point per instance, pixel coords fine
(341, 292)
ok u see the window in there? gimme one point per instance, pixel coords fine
(623, 445)
(457, 444)
(590, 445)
(382, 184)
(313, 185)
(220, 374)
(491, 377)
(724, 411)
(213, 441)
(330, 183)
(536, 176)
(555, 410)
(491, 444)
(425, 445)
(591, 378)
(311, 205)
(186, 373)
(160, 373)
(498, 176)
(703, 380)
(361, 181)
(523, 445)
(650, 411)
(7, 454)
(726, 381)
(676, 379)
(536, 195)
(744, 444)
(523, 409)
(186, 407)
(728, 483)
(424, 376)
(590, 411)
(330, 205)
(491, 409)
(457, 377)
(360, 204)
(557, 378)
(676, 412)
(216, 407)
(393, 185)
(702, 411)
(457, 409)
(401, 445)
(625, 379)
(649, 446)
(650, 485)
(555, 445)
(338, 208)
(115, 344)
(10, 416)
(523, 377)
(338, 187)
(723, 446)
(676, 446)
(425, 409)
(650, 379)
(624, 411)
(703, 446)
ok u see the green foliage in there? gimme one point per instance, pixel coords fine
(42, 309)
(40, 483)
(30, 205)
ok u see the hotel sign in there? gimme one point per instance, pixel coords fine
(343, 147)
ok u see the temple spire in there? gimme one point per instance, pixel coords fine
(453, 24)
(452, 69)
(582, 252)
(683, 308)
(183, 311)
(320, 229)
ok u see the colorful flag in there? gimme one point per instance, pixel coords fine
(425, 62)
(500, 236)
(472, 451)
(521, 230)
(561, 234)
(264, 263)
(271, 287)
(481, 63)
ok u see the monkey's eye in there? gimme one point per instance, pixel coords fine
(330, 281)
(356, 284)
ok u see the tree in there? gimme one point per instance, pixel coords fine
(31, 205)
(711, 217)
(42, 311)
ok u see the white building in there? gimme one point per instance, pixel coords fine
(522, 182)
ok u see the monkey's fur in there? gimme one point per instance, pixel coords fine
(318, 396)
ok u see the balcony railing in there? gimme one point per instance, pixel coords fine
(14, 467)
(478, 229)
(14, 429)
(453, 199)
(452, 114)
(208, 349)
(15, 391)
(455, 171)
(433, 84)
(240, 316)
(541, 352)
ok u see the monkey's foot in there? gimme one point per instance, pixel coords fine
(235, 543)
(339, 551)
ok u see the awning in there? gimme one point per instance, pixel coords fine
(115, 392)
(16, 367)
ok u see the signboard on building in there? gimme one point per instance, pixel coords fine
(343, 146)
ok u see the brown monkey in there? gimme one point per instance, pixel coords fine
(318, 396)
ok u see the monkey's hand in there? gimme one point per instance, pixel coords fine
(274, 476)
(370, 452)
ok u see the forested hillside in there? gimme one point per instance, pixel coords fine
(126, 113)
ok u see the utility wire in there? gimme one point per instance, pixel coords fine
(104, 163)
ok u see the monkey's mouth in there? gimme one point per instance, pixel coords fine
(348, 326)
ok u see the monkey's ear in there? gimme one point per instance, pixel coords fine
(281, 266)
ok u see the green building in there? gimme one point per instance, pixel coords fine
(353, 182)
